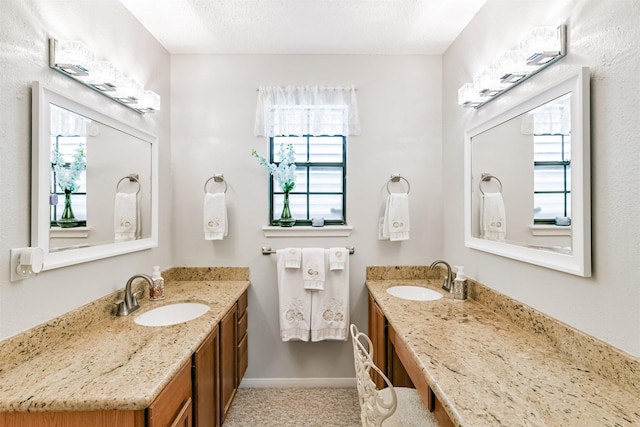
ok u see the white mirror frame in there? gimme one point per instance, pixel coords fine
(42, 97)
(579, 261)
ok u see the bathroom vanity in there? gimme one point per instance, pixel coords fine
(492, 361)
(89, 367)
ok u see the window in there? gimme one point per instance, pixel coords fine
(552, 177)
(66, 150)
(321, 171)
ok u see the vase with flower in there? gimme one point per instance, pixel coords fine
(66, 176)
(284, 174)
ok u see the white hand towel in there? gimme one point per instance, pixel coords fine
(292, 257)
(294, 302)
(330, 307)
(215, 216)
(313, 268)
(337, 258)
(125, 217)
(493, 218)
(396, 218)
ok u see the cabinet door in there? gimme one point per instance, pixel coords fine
(206, 382)
(170, 403)
(228, 360)
(184, 418)
(378, 335)
(243, 350)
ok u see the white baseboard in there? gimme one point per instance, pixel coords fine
(298, 382)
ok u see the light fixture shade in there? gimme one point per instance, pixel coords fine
(542, 45)
(468, 96)
(149, 102)
(72, 57)
(128, 91)
(487, 84)
(510, 67)
(103, 77)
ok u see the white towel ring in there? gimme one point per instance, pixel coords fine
(216, 178)
(134, 177)
(397, 178)
(486, 178)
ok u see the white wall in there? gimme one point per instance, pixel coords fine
(603, 35)
(111, 31)
(213, 111)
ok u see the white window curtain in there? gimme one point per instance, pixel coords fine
(306, 110)
(66, 123)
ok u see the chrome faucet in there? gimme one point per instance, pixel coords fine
(448, 280)
(130, 303)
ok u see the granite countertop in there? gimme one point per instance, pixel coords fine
(488, 371)
(89, 359)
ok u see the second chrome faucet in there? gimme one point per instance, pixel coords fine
(129, 303)
(448, 279)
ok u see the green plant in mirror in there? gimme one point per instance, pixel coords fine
(66, 175)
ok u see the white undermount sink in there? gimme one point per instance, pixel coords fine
(172, 314)
(414, 293)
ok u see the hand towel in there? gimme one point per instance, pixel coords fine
(492, 217)
(292, 257)
(294, 302)
(313, 268)
(337, 258)
(330, 307)
(125, 217)
(396, 218)
(215, 216)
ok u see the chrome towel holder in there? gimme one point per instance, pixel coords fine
(487, 177)
(132, 177)
(217, 178)
(396, 178)
(266, 250)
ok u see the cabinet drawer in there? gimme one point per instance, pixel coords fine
(243, 357)
(242, 327)
(171, 401)
(243, 301)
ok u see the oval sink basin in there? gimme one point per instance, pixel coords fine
(172, 314)
(414, 293)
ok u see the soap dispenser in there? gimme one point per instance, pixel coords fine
(460, 284)
(157, 290)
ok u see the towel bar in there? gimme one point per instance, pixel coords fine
(266, 250)
(133, 177)
(486, 177)
(217, 178)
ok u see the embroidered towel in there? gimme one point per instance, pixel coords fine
(292, 257)
(313, 268)
(396, 219)
(337, 258)
(294, 302)
(330, 307)
(215, 216)
(125, 224)
(493, 218)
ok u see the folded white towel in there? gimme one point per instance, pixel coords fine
(337, 258)
(294, 302)
(396, 219)
(493, 218)
(215, 216)
(292, 257)
(125, 217)
(313, 268)
(330, 307)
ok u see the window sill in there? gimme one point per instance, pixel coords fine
(66, 233)
(550, 230)
(308, 231)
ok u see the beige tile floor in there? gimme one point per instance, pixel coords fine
(294, 407)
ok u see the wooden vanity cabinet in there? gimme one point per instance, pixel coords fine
(243, 349)
(206, 382)
(173, 405)
(228, 360)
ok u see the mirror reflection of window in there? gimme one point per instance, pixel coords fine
(552, 161)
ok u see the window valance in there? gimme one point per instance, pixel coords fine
(306, 110)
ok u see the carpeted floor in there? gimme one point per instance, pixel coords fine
(294, 407)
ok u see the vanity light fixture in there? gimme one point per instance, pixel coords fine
(74, 59)
(539, 49)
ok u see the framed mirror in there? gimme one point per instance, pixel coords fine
(94, 182)
(527, 180)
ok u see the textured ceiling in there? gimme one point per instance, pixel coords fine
(305, 26)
